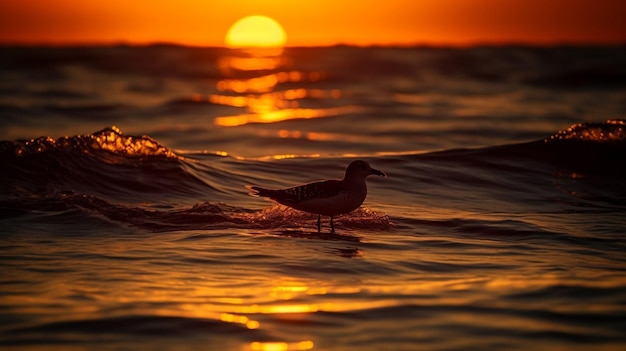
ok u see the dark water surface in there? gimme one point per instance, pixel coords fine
(125, 222)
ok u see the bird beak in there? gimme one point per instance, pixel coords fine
(377, 172)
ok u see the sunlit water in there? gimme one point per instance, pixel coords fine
(501, 224)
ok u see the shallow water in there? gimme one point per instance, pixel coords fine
(500, 226)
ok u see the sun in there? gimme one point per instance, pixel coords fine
(256, 32)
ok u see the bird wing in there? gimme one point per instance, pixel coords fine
(317, 190)
(297, 194)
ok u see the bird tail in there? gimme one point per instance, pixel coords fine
(258, 191)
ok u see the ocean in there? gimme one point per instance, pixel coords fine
(125, 222)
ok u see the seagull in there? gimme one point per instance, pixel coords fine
(327, 197)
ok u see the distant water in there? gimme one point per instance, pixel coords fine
(125, 222)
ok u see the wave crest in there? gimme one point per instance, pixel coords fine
(105, 163)
(612, 131)
(112, 140)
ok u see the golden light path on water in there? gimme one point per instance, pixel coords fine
(287, 290)
(259, 303)
(282, 115)
(259, 95)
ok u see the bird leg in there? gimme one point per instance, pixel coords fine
(318, 223)
(332, 225)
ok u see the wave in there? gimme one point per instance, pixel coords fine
(110, 140)
(106, 163)
(136, 181)
(228, 333)
(283, 221)
(152, 325)
(572, 328)
(611, 132)
(598, 148)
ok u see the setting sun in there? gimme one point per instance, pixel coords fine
(313, 23)
(256, 31)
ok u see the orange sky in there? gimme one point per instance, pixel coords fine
(315, 22)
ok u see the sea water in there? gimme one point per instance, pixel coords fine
(125, 222)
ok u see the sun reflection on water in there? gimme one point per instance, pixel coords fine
(281, 346)
(251, 81)
(251, 63)
(232, 318)
(283, 115)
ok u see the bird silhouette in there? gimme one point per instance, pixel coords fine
(327, 197)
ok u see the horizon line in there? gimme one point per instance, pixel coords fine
(425, 44)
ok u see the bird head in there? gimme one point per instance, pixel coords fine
(361, 169)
